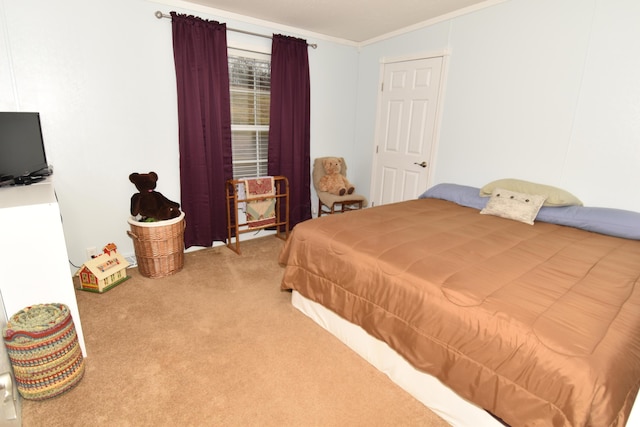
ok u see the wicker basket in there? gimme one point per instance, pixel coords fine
(43, 348)
(159, 246)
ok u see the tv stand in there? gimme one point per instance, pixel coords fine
(33, 253)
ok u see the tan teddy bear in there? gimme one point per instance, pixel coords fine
(333, 181)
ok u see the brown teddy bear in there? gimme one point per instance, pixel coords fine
(149, 204)
(333, 181)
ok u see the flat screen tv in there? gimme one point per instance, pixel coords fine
(22, 153)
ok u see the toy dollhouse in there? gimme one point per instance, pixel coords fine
(104, 271)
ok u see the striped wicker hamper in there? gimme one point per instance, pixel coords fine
(44, 351)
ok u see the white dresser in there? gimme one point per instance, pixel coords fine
(34, 265)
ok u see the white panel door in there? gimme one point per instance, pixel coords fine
(406, 129)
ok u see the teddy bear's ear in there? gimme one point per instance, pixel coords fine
(133, 177)
(153, 176)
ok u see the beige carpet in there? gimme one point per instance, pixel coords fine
(218, 344)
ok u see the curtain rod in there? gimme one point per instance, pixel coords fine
(161, 15)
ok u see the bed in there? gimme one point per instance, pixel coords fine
(530, 324)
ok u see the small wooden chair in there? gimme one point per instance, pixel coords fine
(331, 203)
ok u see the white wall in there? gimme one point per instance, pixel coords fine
(101, 74)
(542, 90)
(545, 90)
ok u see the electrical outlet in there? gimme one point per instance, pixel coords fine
(131, 259)
(91, 252)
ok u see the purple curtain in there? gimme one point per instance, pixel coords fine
(289, 133)
(204, 118)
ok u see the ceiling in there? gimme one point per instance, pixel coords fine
(352, 20)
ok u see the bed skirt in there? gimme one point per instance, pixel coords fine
(425, 388)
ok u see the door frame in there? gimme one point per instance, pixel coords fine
(444, 54)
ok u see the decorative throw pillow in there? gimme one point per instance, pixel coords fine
(555, 196)
(512, 205)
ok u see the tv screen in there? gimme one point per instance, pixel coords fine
(22, 151)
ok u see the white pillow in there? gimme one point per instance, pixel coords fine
(512, 205)
(555, 196)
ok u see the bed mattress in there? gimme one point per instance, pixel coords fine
(540, 325)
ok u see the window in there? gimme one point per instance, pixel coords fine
(250, 88)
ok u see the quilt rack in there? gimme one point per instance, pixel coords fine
(235, 199)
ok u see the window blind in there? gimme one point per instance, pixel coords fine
(250, 89)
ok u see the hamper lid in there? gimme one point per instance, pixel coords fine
(37, 320)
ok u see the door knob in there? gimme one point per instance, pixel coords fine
(422, 165)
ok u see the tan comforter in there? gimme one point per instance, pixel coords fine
(540, 325)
